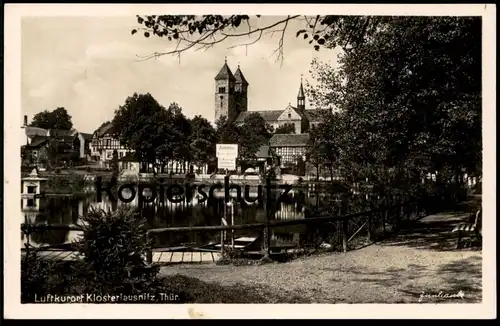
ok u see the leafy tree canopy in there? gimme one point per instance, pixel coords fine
(56, 119)
(287, 128)
(408, 98)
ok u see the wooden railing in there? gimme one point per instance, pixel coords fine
(383, 215)
(396, 213)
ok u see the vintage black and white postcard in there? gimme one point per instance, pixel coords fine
(166, 157)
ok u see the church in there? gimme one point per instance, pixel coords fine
(231, 101)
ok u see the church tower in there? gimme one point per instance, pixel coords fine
(224, 93)
(301, 98)
(241, 88)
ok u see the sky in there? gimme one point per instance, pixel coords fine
(90, 65)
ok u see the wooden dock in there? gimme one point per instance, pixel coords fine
(163, 257)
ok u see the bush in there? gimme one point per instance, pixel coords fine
(113, 247)
(34, 276)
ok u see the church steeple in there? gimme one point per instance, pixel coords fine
(241, 88)
(301, 98)
(225, 73)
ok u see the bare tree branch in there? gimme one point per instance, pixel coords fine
(216, 36)
(280, 44)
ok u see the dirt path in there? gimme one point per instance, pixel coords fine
(418, 262)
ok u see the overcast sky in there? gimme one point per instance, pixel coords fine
(89, 65)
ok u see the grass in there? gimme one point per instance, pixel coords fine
(193, 290)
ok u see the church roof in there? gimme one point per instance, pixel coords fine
(301, 91)
(271, 115)
(238, 75)
(225, 73)
(289, 140)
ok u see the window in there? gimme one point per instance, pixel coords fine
(31, 203)
(120, 154)
(289, 115)
(31, 189)
(222, 89)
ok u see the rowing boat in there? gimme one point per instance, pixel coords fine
(240, 243)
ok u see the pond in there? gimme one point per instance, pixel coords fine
(197, 211)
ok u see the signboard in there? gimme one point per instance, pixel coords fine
(227, 150)
(226, 156)
(226, 163)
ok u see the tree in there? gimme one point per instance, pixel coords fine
(145, 126)
(203, 32)
(178, 147)
(202, 141)
(287, 128)
(254, 133)
(226, 132)
(324, 148)
(409, 98)
(57, 119)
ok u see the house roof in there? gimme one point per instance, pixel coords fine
(316, 115)
(35, 131)
(288, 140)
(85, 135)
(238, 75)
(38, 141)
(104, 130)
(271, 115)
(225, 73)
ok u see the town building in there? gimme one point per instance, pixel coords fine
(103, 143)
(40, 146)
(81, 144)
(290, 148)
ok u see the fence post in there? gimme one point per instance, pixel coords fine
(265, 234)
(384, 215)
(369, 226)
(149, 252)
(344, 234)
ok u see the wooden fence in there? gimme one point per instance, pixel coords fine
(374, 222)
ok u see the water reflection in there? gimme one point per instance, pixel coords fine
(194, 212)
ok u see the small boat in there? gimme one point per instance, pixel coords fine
(241, 243)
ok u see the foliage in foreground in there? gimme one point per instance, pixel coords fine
(112, 245)
(112, 248)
